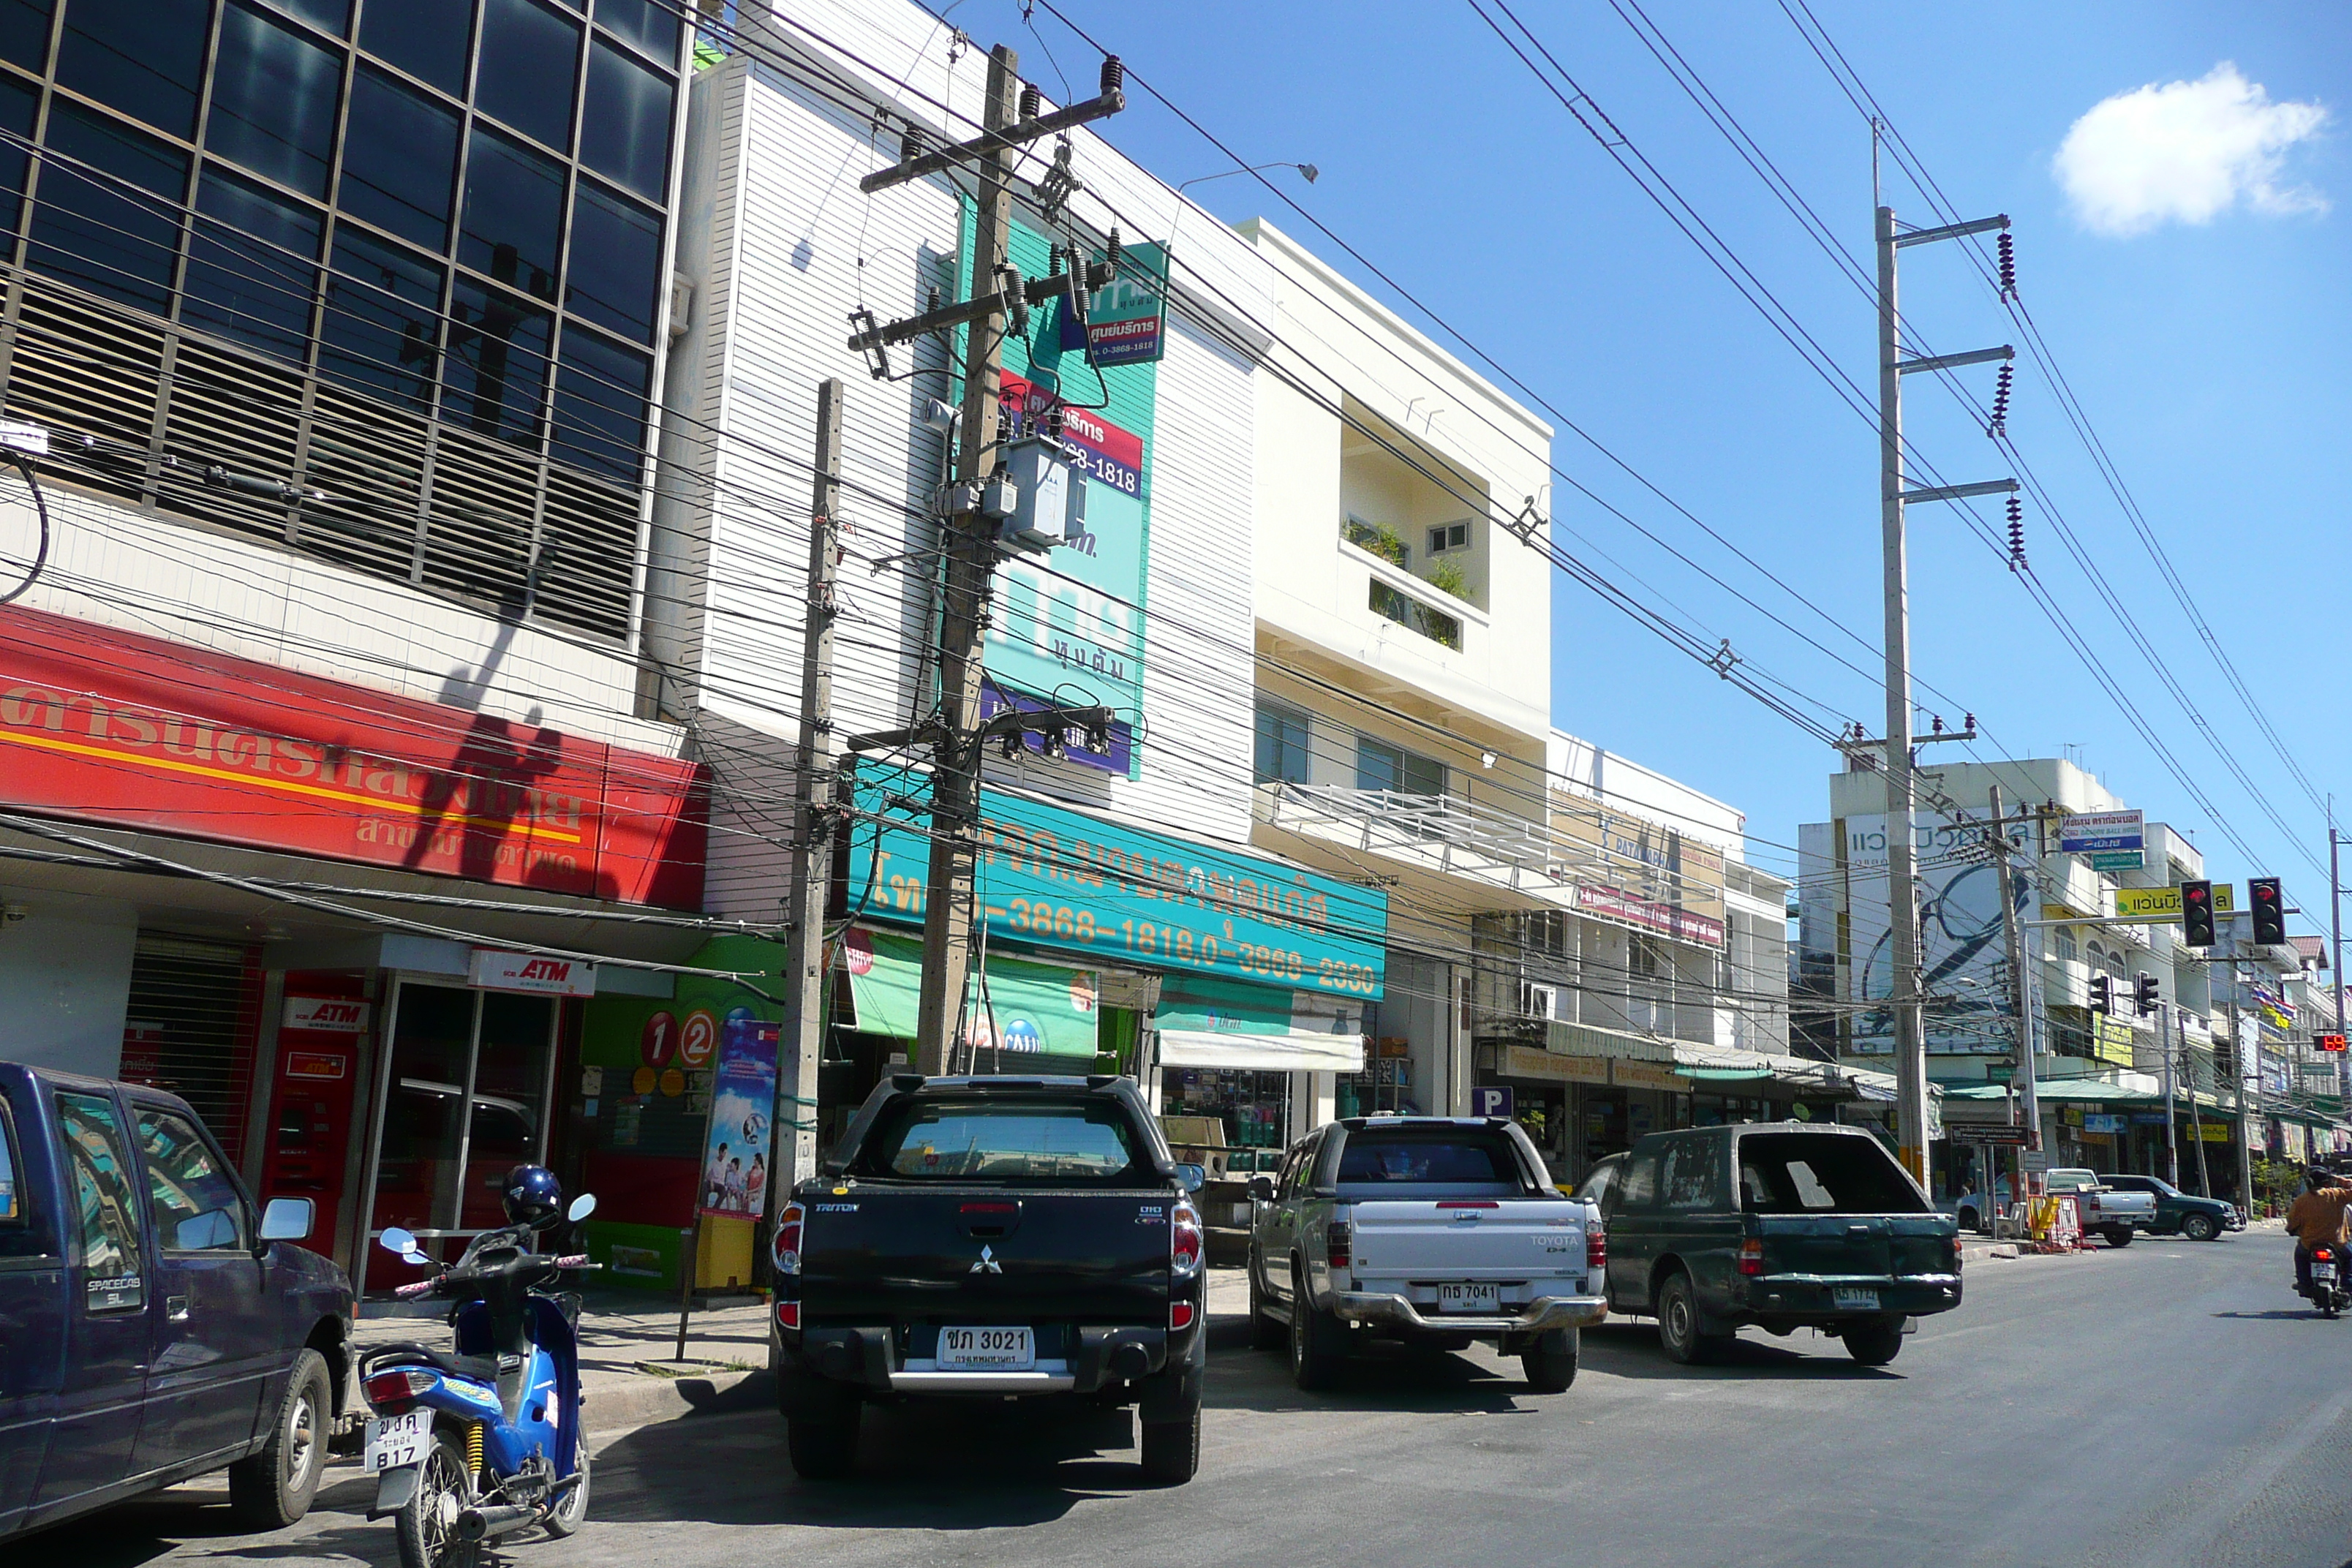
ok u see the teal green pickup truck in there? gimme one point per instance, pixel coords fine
(1778, 1226)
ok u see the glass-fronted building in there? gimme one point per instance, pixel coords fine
(385, 280)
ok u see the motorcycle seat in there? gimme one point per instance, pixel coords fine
(481, 1369)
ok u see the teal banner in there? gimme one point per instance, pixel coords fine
(1050, 877)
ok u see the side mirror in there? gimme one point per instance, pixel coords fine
(1261, 1189)
(581, 1207)
(287, 1219)
(1192, 1178)
(394, 1240)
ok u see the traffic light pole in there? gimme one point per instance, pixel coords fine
(2336, 941)
(1903, 989)
(2238, 1073)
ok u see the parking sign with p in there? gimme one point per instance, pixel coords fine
(1490, 1099)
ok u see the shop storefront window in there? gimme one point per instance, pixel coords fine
(1253, 1108)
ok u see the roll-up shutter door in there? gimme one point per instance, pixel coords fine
(194, 1027)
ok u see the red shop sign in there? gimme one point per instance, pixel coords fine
(115, 727)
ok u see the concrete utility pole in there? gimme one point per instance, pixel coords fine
(2238, 1073)
(2335, 940)
(802, 1041)
(1903, 893)
(970, 549)
(2175, 1054)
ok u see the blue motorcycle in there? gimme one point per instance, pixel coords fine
(476, 1446)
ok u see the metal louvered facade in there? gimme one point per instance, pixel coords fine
(383, 281)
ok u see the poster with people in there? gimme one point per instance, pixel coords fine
(742, 1100)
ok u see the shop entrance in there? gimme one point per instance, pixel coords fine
(465, 1093)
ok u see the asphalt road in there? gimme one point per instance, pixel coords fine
(2168, 1403)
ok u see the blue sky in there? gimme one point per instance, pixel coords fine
(2207, 348)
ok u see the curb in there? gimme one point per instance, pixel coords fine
(643, 1398)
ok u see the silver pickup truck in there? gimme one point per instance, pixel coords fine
(1430, 1229)
(2105, 1211)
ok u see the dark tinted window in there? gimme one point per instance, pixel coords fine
(382, 331)
(514, 214)
(103, 1231)
(1817, 1173)
(18, 104)
(1452, 1156)
(427, 39)
(25, 33)
(142, 56)
(274, 97)
(625, 129)
(400, 160)
(647, 24)
(91, 229)
(531, 62)
(1689, 1178)
(497, 368)
(601, 390)
(197, 1206)
(248, 278)
(1005, 1141)
(13, 1195)
(1638, 1186)
(615, 278)
(329, 16)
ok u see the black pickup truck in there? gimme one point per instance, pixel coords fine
(992, 1237)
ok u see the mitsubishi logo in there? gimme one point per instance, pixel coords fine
(988, 1264)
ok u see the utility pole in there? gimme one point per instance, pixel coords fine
(1903, 893)
(802, 1042)
(2021, 994)
(2204, 1178)
(2336, 939)
(2238, 1071)
(2175, 1055)
(1011, 118)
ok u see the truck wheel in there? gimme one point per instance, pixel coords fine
(1678, 1323)
(1874, 1344)
(273, 1487)
(1265, 1332)
(1314, 1359)
(2200, 1227)
(821, 1432)
(1171, 1449)
(2119, 1234)
(1549, 1361)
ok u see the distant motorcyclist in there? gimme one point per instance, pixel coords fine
(2316, 1218)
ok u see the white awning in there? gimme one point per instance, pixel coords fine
(1298, 1052)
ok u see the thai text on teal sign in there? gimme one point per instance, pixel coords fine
(1050, 877)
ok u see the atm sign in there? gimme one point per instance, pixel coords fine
(530, 971)
(328, 1014)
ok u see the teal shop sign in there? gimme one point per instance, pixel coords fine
(1049, 876)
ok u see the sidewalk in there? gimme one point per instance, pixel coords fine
(628, 1340)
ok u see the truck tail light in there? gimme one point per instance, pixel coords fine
(784, 1248)
(1179, 1315)
(1956, 1254)
(1186, 1241)
(1751, 1257)
(1339, 1239)
(787, 1316)
(1596, 1249)
(397, 1389)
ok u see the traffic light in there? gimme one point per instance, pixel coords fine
(2103, 994)
(2270, 913)
(2143, 995)
(2196, 914)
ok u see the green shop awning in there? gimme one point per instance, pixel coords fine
(1726, 1075)
(1021, 1005)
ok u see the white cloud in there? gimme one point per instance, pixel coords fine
(2185, 151)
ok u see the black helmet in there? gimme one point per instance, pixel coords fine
(533, 1196)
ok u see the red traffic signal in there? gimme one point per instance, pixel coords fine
(2196, 914)
(2328, 1042)
(2270, 913)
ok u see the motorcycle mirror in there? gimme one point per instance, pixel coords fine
(416, 1257)
(581, 1207)
(397, 1242)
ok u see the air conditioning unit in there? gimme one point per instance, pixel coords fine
(1538, 1001)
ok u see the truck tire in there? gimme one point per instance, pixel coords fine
(1314, 1357)
(1678, 1330)
(2200, 1227)
(820, 1431)
(1171, 1449)
(2119, 1234)
(1549, 1361)
(1265, 1332)
(273, 1487)
(1875, 1344)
